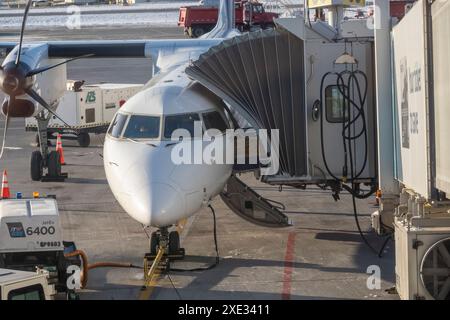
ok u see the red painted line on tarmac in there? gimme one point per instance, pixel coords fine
(288, 267)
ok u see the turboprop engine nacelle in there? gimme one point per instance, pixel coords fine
(20, 107)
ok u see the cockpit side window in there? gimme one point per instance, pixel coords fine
(116, 127)
(142, 127)
(214, 120)
(180, 121)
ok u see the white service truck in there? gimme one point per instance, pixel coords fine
(86, 109)
(31, 238)
(24, 285)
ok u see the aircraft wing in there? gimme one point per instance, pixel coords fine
(113, 48)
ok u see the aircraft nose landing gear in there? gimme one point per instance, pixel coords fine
(164, 247)
(169, 242)
(45, 159)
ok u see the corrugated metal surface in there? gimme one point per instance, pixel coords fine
(261, 75)
(441, 49)
(411, 93)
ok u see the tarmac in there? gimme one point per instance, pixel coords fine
(321, 256)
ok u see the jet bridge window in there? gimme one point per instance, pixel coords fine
(116, 127)
(181, 121)
(213, 120)
(335, 105)
(142, 127)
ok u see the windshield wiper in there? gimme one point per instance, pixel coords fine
(172, 144)
(146, 143)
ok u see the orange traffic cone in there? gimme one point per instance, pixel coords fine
(60, 150)
(378, 197)
(6, 194)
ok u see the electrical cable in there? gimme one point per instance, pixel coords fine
(355, 210)
(353, 112)
(173, 286)
(216, 249)
(380, 253)
(349, 139)
(344, 89)
(372, 190)
(4, 133)
(144, 228)
(361, 113)
(322, 144)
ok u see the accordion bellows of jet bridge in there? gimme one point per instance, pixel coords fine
(261, 75)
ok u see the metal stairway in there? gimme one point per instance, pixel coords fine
(248, 204)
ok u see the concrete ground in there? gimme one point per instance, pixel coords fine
(320, 257)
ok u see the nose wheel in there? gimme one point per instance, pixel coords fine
(169, 242)
(45, 159)
(174, 242)
(164, 247)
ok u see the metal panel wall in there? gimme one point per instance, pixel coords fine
(319, 58)
(441, 49)
(411, 95)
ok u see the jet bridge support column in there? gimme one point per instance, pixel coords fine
(385, 128)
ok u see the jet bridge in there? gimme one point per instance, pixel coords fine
(288, 80)
(261, 76)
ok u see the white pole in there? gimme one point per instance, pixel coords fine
(382, 25)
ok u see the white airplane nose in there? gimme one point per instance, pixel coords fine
(152, 203)
(156, 204)
(141, 184)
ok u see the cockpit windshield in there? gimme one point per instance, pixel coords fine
(137, 127)
(142, 127)
(116, 127)
(181, 121)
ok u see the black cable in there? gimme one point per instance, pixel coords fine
(372, 190)
(348, 138)
(145, 231)
(344, 89)
(215, 234)
(216, 247)
(352, 171)
(322, 115)
(173, 286)
(355, 210)
(380, 253)
(355, 213)
(360, 112)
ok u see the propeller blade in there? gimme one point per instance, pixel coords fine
(5, 130)
(22, 31)
(44, 104)
(46, 68)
